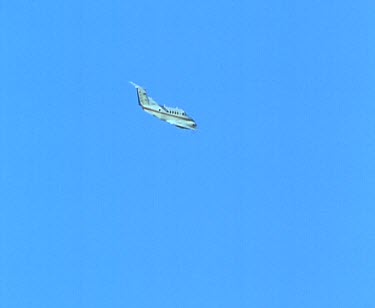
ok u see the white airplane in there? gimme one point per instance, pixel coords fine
(174, 116)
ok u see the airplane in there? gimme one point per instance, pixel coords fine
(174, 116)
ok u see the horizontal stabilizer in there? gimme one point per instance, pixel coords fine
(134, 84)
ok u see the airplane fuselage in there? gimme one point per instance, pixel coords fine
(173, 116)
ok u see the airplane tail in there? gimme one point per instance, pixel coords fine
(134, 84)
(142, 95)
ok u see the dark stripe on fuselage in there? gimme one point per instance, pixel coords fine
(139, 99)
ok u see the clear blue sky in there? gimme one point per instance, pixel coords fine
(269, 204)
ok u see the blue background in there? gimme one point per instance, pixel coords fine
(270, 203)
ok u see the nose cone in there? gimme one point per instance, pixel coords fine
(195, 126)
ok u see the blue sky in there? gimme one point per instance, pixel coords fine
(269, 204)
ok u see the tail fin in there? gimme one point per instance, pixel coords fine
(142, 95)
